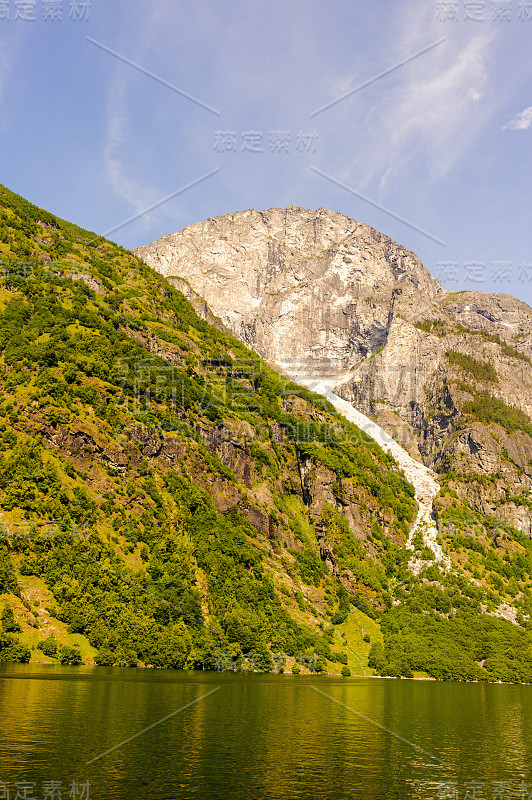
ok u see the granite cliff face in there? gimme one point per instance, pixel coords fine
(448, 375)
(175, 502)
(312, 289)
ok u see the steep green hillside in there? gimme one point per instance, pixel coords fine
(167, 499)
(151, 485)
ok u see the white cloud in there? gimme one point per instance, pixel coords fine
(521, 122)
(10, 48)
(126, 152)
(117, 131)
(407, 129)
(438, 108)
(119, 150)
(427, 114)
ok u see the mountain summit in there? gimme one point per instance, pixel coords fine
(310, 289)
(447, 374)
(168, 499)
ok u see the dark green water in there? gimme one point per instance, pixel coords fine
(260, 736)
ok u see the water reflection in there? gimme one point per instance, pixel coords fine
(258, 736)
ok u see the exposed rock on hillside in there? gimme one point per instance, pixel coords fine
(448, 375)
(313, 288)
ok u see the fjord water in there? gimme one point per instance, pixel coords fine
(259, 736)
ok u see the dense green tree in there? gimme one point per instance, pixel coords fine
(71, 656)
(7, 618)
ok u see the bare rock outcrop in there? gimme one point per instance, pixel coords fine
(303, 288)
(447, 374)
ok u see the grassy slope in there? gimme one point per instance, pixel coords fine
(149, 482)
(489, 550)
(168, 458)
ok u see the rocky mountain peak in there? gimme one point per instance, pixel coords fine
(447, 374)
(304, 288)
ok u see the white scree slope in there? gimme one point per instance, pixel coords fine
(422, 478)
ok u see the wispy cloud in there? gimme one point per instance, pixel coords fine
(117, 129)
(10, 49)
(119, 150)
(521, 122)
(5, 69)
(382, 74)
(152, 75)
(438, 108)
(139, 118)
(429, 113)
(404, 121)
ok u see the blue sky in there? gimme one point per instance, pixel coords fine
(436, 152)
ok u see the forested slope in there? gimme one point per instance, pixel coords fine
(167, 499)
